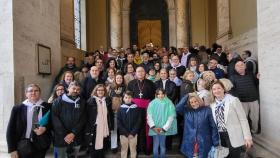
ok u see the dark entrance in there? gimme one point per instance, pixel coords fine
(150, 11)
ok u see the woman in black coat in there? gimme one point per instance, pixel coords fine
(26, 136)
(100, 121)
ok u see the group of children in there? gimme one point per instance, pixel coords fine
(162, 121)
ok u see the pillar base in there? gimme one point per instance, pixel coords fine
(264, 149)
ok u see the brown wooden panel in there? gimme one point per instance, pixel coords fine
(149, 31)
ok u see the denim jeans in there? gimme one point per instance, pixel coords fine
(159, 145)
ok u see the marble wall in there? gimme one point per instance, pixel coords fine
(7, 79)
(268, 142)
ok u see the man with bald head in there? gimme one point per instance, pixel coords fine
(91, 81)
(143, 92)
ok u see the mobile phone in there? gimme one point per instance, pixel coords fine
(36, 125)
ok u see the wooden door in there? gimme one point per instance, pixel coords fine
(149, 31)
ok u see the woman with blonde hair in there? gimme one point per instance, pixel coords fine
(230, 119)
(200, 130)
(203, 90)
(209, 76)
(67, 78)
(99, 122)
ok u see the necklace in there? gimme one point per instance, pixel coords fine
(140, 88)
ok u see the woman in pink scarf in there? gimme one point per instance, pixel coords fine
(99, 122)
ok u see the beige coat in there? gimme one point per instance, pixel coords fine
(236, 121)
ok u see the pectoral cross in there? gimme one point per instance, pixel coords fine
(140, 94)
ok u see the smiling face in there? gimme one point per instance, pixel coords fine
(33, 94)
(160, 95)
(163, 74)
(74, 91)
(112, 64)
(100, 92)
(218, 91)
(240, 67)
(140, 73)
(59, 90)
(68, 78)
(165, 59)
(94, 72)
(194, 102)
(130, 68)
(175, 60)
(119, 79)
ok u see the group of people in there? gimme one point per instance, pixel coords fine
(138, 101)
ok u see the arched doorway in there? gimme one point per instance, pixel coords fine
(149, 22)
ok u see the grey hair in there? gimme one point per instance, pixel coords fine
(74, 83)
(32, 85)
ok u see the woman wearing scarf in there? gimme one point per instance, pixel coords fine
(99, 122)
(176, 65)
(25, 137)
(231, 120)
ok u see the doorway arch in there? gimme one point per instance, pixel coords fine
(149, 23)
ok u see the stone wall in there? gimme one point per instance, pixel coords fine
(246, 41)
(6, 68)
(35, 21)
(267, 143)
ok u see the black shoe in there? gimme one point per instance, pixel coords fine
(148, 153)
(115, 150)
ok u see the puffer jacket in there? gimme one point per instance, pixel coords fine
(198, 124)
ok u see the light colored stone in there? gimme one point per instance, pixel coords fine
(223, 19)
(115, 23)
(268, 48)
(172, 27)
(181, 23)
(246, 41)
(6, 68)
(125, 29)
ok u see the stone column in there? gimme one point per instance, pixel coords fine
(115, 23)
(181, 24)
(125, 29)
(172, 27)
(267, 144)
(6, 68)
(223, 20)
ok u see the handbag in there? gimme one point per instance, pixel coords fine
(218, 152)
(24, 148)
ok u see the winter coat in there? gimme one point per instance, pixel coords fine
(198, 124)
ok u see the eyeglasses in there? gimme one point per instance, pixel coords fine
(100, 90)
(61, 89)
(31, 91)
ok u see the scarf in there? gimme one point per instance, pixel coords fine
(102, 129)
(29, 116)
(175, 67)
(67, 99)
(129, 107)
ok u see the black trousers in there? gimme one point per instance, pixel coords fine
(96, 153)
(35, 154)
(225, 142)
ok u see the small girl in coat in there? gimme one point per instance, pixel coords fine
(162, 121)
(200, 130)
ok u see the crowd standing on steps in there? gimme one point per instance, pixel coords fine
(138, 100)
